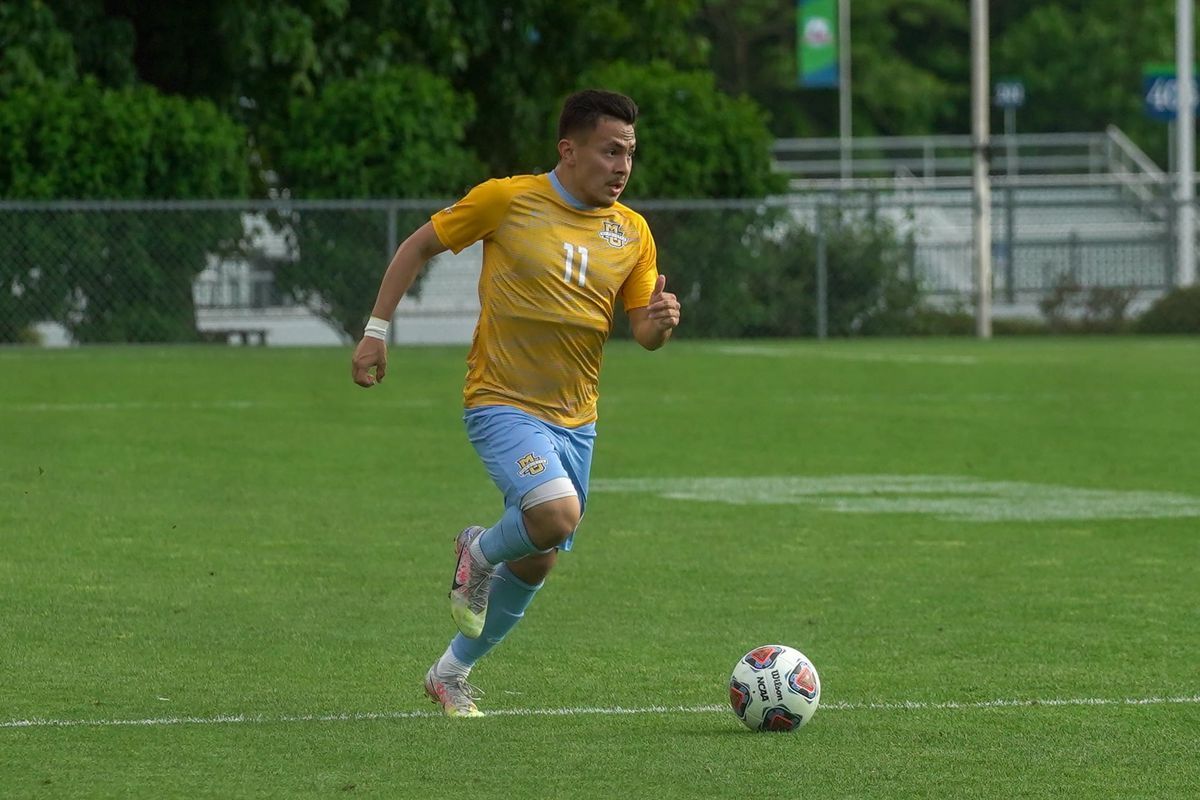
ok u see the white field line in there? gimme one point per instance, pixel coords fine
(836, 355)
(368, 716)
(199, 405)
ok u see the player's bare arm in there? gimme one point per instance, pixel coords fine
(369, 363)
(653, 324)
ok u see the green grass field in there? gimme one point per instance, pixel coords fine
(223, 574)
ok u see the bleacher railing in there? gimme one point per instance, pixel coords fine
(945, 161)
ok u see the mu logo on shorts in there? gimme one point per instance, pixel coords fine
(613, 234)
(763, 657)
(530, 464)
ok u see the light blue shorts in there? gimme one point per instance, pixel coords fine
(521, 452)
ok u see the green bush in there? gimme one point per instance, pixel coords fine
(1071, 308)
(754, 273)
(871, 289)
(719, 262)
(1177, 311)
(1020, 326)
(119, 276)
(924, 320)
(396, 134)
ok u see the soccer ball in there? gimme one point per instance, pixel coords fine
(774, 688)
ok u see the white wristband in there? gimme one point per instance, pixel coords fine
(376, 328)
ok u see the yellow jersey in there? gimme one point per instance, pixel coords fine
(551, 276)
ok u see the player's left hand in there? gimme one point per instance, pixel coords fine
(663, 310)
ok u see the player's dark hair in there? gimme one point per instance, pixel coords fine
(583, 110)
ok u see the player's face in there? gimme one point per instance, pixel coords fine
(602, 161)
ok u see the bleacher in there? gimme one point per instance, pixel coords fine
(1091, 208)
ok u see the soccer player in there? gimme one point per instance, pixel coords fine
(558, 249)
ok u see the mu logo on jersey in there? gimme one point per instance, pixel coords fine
(530, 464)
(614, 234)
(803, 681)
(763, 657)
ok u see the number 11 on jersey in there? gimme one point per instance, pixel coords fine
(570, 262)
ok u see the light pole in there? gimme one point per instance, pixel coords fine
(981, 189)
(1185, 130)
(844, 88)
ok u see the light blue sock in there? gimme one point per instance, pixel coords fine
(507, 540)
(507, 601)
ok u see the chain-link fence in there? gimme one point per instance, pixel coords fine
(307, 272)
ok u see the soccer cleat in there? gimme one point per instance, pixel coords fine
(453, 694)
(469, 590)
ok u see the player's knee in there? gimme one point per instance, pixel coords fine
(534, 569)
(550, 522)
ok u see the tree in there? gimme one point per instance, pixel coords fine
(693, 140)
(1082, 65)
(118, 277)
(396, 134)
(517, 57)
(523, 56)
(33, 49)
(910, 65)
(514, 57)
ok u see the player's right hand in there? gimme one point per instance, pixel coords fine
(371, 353)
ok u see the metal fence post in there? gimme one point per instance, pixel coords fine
(1073, 258)
(1010, 202)
(1169, 241)
(911, 254)
(822, 277)
(1010, 240)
